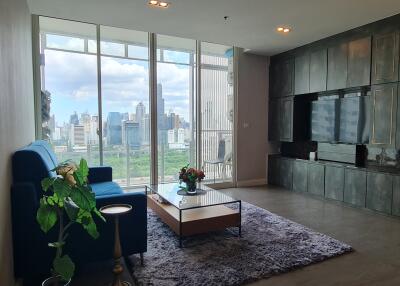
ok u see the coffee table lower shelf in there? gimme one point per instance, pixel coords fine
(195, 221)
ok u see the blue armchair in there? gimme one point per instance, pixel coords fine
(32, 256)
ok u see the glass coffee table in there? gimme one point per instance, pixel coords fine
(193, 214)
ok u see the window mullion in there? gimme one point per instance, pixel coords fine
(99, 94)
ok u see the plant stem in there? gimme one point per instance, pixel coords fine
(60, 232)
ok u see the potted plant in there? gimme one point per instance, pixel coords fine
(67, 199)
(190, 176)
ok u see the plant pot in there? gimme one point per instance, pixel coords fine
(55, 281)
(191, 188)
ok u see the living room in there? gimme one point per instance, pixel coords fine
(199, 142)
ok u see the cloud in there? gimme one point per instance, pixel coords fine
(72, 78)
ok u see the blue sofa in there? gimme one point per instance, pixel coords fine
(32, 256)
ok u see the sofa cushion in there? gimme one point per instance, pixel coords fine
(106, 188)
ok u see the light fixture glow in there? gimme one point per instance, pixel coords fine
(285, 30)
(163, 4)
(153, 2)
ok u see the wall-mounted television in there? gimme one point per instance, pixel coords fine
(324, 116)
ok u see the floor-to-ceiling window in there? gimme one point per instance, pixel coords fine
(175, 105)
(95, 101)
(69, 91)
(125, 104)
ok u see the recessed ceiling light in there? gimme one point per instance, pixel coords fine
(283, 29)
(164, 4)
(160, 4)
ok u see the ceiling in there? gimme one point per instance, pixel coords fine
(251, 23)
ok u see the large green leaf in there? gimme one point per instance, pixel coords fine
(86, 220)
(71, 209)
(82, 172)
(84, 198)
(64, 267)
(61, 188)
(83, 168)
(46, 216)
(47, 183)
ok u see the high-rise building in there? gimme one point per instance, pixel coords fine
(114, 128)
(131, 134)
(146, 129)
(73, 119)
(77, 135)
(140, 112)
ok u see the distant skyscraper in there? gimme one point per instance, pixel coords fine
(73, 119)
(131, 134)
(140, 112)
(146, 129)
(114, 128)
(77, 135)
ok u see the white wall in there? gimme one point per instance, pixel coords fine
(252, 133)
(16, 111)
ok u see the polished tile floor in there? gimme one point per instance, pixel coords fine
(375, 238)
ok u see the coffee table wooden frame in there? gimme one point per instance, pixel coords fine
(196, 220)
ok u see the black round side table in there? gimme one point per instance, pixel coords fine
(115, 211)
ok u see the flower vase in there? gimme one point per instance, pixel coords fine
(191, 188)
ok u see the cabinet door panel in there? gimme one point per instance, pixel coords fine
(379, 192)
(359, 62)
(396, 196)
(286, 173)
(318, 70)
(300, 171)
(287, 78)
(316, 179)
(302, 74)
(334, 182)
(385, 58)
(286, 119)
(274, 169)
(383, 115)
(355, 187)
(274, 121)
(337, 67)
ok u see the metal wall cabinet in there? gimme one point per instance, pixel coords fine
(274, 169)
(359, 62)
(282, 78)
(274, 120)
(385, 57)
(383, 115)
(379, 192)
(396, 196)
(337, 66)
(316, 179)
(355, 186)
(286, 119)
(318, 70)
(286, 173)
(302, 74)
(334, 182)
(300, 176)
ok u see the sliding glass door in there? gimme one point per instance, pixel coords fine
(176, 113)
(95, 101)
(217, 113)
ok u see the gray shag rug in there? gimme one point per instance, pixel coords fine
(269, 245)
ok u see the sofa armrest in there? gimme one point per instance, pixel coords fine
(100, 174)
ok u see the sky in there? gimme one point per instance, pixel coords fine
(71, 78)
